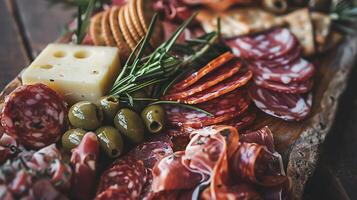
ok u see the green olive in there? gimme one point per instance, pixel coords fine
(138, 105)
(110, 106)
(154, 118)
(72, 138)
(110, 140)
(86, 115)
(130, 125)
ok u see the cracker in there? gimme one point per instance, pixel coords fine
(322, 27)
(300, 24)
(135, 18)
(124, 29)
(239, 21)
(107, 33)
(145, 13)
(129, 23)
(124, 49)
(95, 29)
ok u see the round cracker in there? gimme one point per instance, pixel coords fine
(108, 36)
(129, 23)
(146, 13)
(95, 29)
(124, 49)
(125, 30)
(135, 18)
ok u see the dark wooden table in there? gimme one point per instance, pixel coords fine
(26, 26)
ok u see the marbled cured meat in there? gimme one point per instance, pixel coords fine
(223, 108)
(297, 71)
(126, 176)
(243, 121)
(221, 74)
(288, 58)
(290, 88)
(35, 115)
(290, 107)
(204, 157)
(224, 87)
(151, 152)
(257, 164)
(193, 78)
(84, 159)
(262, 137)
(270, 45)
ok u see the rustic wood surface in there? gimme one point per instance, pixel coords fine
(25, 28)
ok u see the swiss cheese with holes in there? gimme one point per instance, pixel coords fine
(76, 72)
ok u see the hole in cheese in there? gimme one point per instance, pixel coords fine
(59, 54)
(81, 54)
(45, 66)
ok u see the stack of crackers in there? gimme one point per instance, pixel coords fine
(124, 26)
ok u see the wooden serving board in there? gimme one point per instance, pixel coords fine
(299, 142)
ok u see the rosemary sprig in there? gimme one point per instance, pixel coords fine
(344, 16)
(83, 20)
(159, 68)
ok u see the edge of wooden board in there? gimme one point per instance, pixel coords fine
(304, 152)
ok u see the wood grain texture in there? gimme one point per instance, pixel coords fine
(333, 72)
(339, 152)
(41, 22)
(11, 48)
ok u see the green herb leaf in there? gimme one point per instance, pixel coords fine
(83, 20)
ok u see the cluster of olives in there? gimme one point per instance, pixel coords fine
(112, 123)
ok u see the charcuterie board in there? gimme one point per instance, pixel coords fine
(298, 142)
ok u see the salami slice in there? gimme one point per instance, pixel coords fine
(270, 45)
(224, 72)
(223, 108)
(290, 88)
(35, 115)
(290, 57)
(242, 121)
(151, 152)
(289, 107)
(222, 88)
(127, 175)
(193, 78)
(299, 70)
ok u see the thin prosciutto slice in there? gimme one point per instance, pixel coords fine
(217, 163)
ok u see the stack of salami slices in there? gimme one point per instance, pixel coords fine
(219, 88)
(282, 79)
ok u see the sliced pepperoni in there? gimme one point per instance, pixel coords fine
(223, 108)
(290, 88)
(270, 45)
(242, 121)
(221, 74)
(151, 152)
(299, 70)
(289, 107)
(230, 84)
(193, 78)
(35, 115)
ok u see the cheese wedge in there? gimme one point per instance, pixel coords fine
(76, 72)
